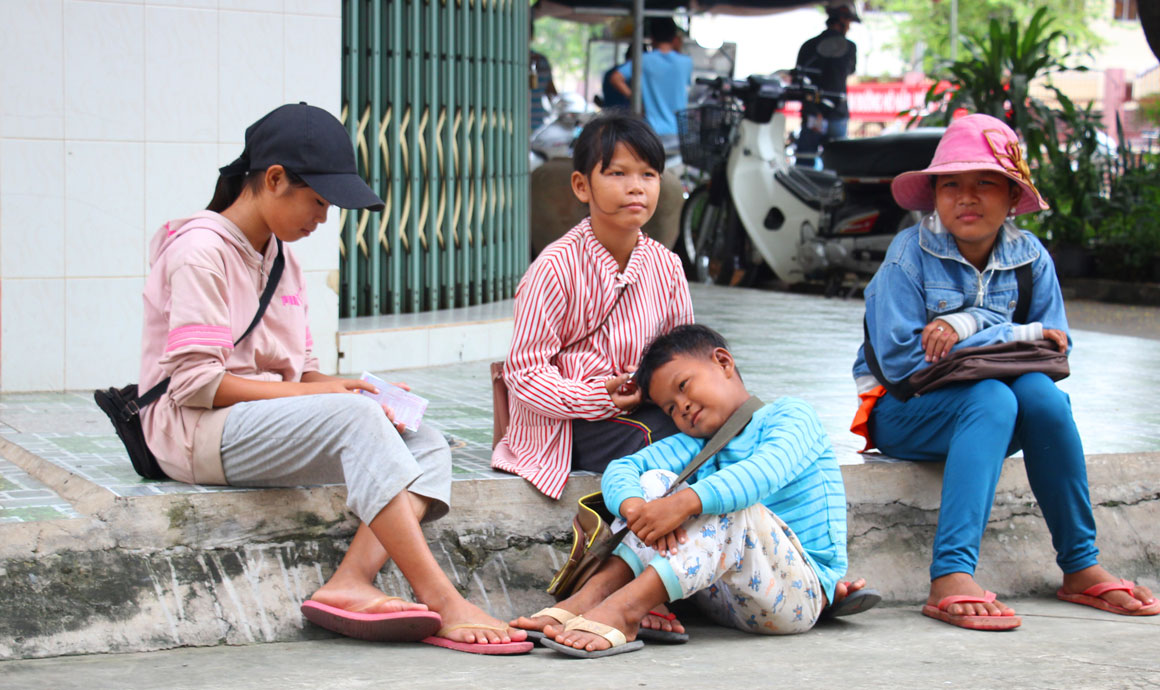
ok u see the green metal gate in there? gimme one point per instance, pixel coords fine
(435, 96)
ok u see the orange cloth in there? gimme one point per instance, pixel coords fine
(861, 423)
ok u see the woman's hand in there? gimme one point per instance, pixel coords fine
(937, 340)
(625, 394)
(1056, 336)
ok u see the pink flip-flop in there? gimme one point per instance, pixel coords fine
(941, 613)
(400, 626)
(1091, 597)
(498, 648)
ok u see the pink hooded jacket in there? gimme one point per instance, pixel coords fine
(201, 294)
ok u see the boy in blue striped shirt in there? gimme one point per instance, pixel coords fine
(757, 538)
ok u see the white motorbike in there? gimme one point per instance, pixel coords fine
(759, 209)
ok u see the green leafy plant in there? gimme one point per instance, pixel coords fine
(1127, 238)
(924, 25)
(1072, 174)
(996, 76)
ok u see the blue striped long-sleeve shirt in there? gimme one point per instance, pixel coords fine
(782, 459)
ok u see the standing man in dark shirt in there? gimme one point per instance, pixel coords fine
(835, 56)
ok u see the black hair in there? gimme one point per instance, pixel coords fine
(597, 142)
(835, 15)
(662, 29)
(690, 339)
(229, 187)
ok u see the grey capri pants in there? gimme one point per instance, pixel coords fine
(336, 438)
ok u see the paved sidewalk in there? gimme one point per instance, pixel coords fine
(1059, 646)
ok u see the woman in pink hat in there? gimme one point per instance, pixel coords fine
(963, 277)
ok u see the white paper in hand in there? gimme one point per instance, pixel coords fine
(407, 407)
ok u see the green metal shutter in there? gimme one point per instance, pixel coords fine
(435, 97)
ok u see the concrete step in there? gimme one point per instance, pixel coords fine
(186, 566)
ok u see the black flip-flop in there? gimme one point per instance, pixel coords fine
(854, 602)
(662, 636)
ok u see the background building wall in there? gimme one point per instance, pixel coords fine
(114, 117)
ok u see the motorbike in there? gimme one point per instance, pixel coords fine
(759, 209)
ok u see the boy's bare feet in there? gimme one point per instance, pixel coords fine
(662, 622)
(1077, 582)
(964, 584)
(614, 574)
(623, 610)
(361, 597)
(843, 590)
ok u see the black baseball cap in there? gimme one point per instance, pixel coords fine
(312, 144)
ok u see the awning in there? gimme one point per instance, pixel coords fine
(593, 11)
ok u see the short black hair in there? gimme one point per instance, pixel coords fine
(690, 339)
(597, 142)
(662, 29)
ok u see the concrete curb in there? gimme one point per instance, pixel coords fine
(154, 572)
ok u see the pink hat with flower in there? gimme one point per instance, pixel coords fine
(974, 142)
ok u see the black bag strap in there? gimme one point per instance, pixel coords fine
(724, 435)
(1023, 285)
(264, 301)
(902, 389)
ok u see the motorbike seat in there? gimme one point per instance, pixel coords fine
(883, 156)
(815, 188)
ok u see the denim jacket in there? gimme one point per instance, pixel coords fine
(924, 277)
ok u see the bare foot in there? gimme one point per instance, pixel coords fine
(576, 604)
(361, 597)
(609, 612)
(475, 626)
(667, 621)
(1077, 582)
(964, 584)
(613, 575)
(843, 590)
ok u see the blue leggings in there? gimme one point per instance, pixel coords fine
(974, 426)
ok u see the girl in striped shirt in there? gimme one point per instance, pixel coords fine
(584, 311)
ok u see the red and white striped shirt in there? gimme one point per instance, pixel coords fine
(565, 294)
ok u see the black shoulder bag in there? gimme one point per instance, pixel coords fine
(123, 407)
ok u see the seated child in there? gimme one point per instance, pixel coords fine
(758, 538)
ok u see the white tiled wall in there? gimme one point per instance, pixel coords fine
(114, 117)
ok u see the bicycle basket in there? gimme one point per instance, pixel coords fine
(706, 132)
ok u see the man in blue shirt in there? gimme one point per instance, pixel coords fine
(665, 77)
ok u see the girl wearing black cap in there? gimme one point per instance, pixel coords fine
(256, 411)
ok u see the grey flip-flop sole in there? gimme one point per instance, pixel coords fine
(661, 636)
(534, 636)
(857, 602)
(585, 654)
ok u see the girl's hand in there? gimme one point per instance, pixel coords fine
(336, 385)
(1056, 336)
(937, 340)
(624, 393)
(391, 416)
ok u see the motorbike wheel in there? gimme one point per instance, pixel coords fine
(712, 246)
